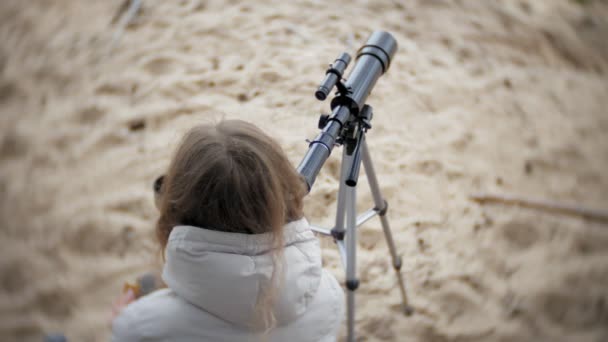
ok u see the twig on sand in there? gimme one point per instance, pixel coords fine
(564, 208)
(132, 8)
(119, 12)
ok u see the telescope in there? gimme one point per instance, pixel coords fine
(373, 60)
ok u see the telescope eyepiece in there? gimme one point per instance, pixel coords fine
(322, 92)
(333, 75)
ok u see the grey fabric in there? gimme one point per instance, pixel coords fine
(215, 280)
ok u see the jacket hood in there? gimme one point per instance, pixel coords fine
(225, 273)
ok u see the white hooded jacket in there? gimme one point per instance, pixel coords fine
(214, 281)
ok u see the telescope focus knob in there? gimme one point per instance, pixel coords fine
(323, 120)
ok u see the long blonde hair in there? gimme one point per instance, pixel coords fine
(232, 177)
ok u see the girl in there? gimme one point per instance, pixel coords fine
(241, 263)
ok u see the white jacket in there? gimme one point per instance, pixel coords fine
(214, 280)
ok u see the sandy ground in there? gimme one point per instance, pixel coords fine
(483, 96)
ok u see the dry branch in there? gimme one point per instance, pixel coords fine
(564, 208)
(132, 8)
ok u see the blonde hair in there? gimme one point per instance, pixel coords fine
(232, 177)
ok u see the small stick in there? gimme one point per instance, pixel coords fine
(119, 12)
(132, 7)
(563, 208)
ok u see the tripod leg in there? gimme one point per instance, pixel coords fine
(382, 205)
(346, 209)
(346, 161)
(351, 254)
(338, 231)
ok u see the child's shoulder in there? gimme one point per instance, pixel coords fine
(164, 316)
(158, 303)
(144, 316)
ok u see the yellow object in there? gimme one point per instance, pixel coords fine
(136, 288)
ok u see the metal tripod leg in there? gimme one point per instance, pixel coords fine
(340, 210)
(382, 206)
(351, 256)
(346, 209)
(345, 231)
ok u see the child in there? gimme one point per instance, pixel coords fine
(241, 262)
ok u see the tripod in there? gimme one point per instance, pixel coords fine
(354, 153)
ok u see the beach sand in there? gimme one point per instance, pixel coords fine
(506, 97)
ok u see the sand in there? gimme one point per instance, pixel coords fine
(504, 97)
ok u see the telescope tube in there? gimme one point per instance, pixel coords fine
(373, 60)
